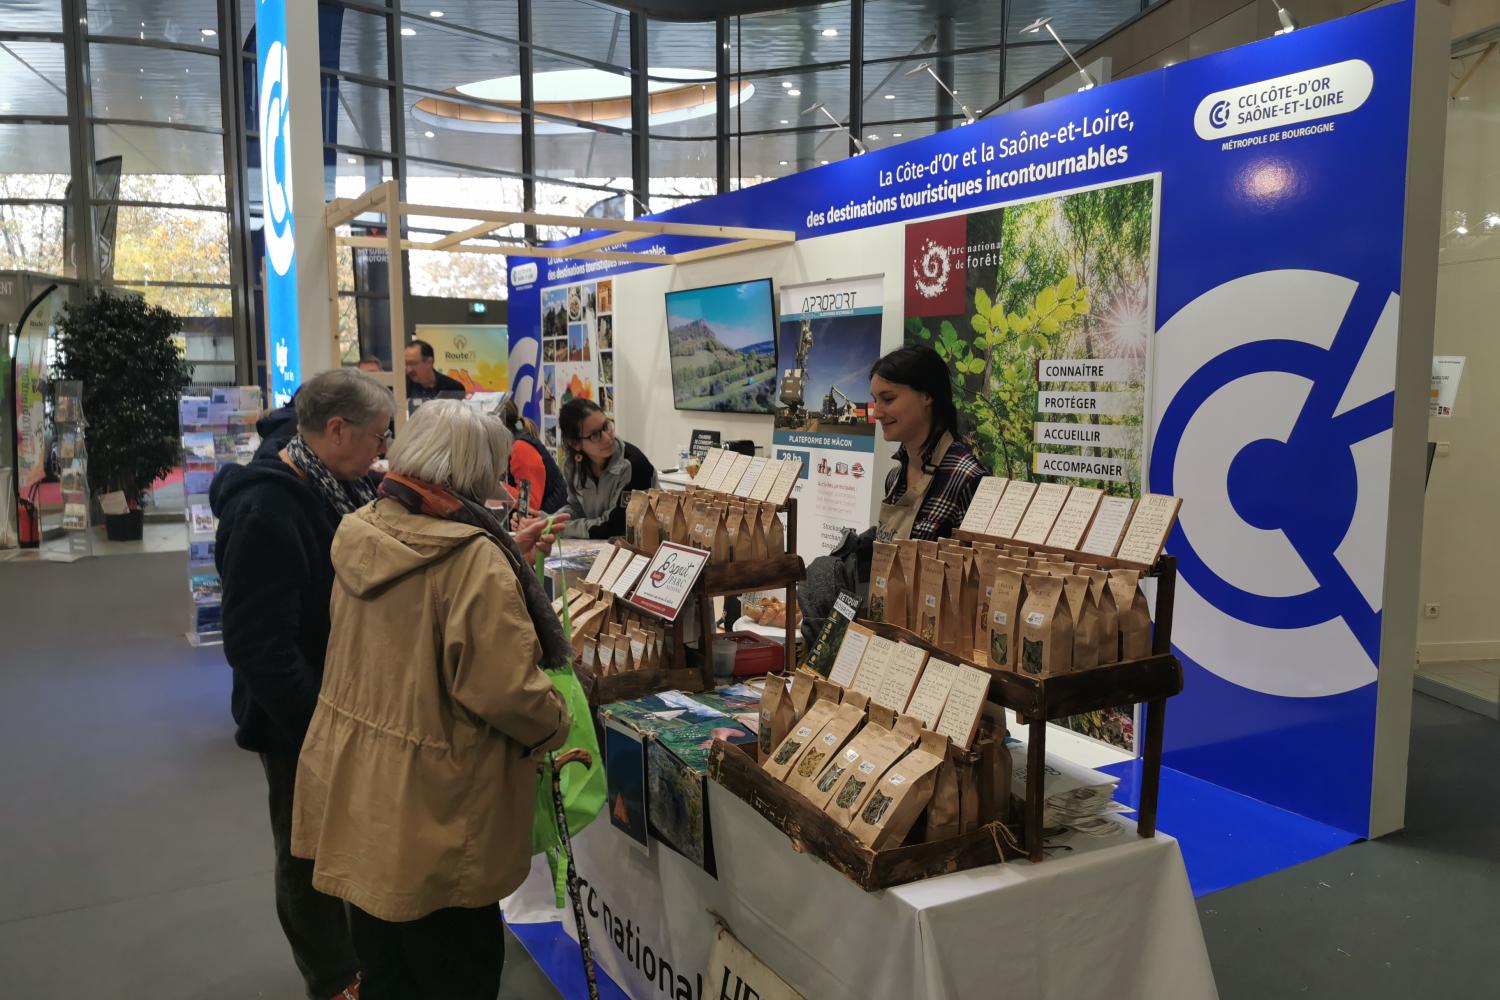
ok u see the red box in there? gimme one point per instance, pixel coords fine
(753, 654)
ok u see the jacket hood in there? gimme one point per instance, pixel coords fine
(383, 542)
(233, 480)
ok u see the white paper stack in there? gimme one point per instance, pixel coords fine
(1076, 797)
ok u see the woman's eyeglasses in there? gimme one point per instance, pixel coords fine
(597, 436)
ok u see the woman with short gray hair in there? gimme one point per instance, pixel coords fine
(277, 517)
(418, 774)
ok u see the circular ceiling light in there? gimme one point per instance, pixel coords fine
(408, 32)
(830, 32)
(794, 93)
(207, 32)
(591, 96)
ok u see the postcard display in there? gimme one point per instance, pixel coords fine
(217, 430)
(70, 428)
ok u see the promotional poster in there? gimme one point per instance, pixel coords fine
(829, 337)
(578, 351)
(478, 356)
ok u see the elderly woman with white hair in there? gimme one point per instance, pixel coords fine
(418, 774)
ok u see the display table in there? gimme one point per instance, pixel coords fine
(678, 481)
(1109, 918)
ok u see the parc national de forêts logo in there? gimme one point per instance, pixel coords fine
(937, 266)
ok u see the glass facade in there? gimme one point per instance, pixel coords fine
(567, 107)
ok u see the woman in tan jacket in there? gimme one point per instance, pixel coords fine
(416, 780)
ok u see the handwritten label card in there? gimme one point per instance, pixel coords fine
(791, 471)
(873, 668)
(1011, 509)
(846, 664)
(767, 479)
(1040, 516)
(982, 507)
(1153, 520)
(632, 573)
(1074, 519)
(932, 692)
(900, 677)
(1109, 524)
(966, 698)
(750, 477)
(601, 563)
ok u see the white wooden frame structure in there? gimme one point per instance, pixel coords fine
(385, 199)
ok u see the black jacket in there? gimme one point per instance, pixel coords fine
(272, 553)
(276, 429)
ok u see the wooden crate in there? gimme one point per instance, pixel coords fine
(638, 683)
(814, 832)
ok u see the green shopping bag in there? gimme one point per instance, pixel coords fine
(583, 790)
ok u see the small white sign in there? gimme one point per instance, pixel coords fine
(1088, 370)
(1447, 369)
(1110, 404)
(1080, 467)
(1308, 95)
(668, 580)
(1082, 435)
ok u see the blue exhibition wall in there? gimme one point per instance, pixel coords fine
(1271, 394)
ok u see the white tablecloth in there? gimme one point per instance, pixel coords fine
(1110, 919)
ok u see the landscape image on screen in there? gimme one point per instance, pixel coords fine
(722, 341)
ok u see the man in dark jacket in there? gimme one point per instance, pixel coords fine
(277, 517)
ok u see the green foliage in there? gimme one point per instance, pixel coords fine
(133, 373)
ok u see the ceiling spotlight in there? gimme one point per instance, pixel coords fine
(434, 13)
(824, 162)
(207, 32)
(895, 135)
(781, 162)
(1461, 230)
(1285, 17)
(873, 137)
(969, 118)
(429, 134)
(821, 107)
(351, 160)
(1046, 22)
(1491, 220)
(408, 32)
(794, 92)
(785, 122)
(786, 85)
(830, 32)
(890, 97)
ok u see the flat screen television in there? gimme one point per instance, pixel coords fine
(722, 341)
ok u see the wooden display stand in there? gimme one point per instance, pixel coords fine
(740, 576)
(1037, 701)
(812, 831)
(639, 683)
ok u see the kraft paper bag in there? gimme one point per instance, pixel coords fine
(776, 716)
(1077, 590)
(986, 563)
(635, 514)
(944, 812)
(887, 601)
(927, 618)
(803, 693)
(1006, 600)
(784, 757)
(857, 773)
(1109, 617)
(845, 723)
(901, 795)
(1134, 614)
(929, 549)
(909, 562)
(774, 530)
(1046, 629)
(957, 604)
(878, 721)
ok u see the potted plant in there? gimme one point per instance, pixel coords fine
(122, 349)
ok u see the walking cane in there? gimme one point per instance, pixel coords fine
(576, 755)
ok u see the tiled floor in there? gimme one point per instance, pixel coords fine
(1470, 684)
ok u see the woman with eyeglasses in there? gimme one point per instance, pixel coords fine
(601, 469)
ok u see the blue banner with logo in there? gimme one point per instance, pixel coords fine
(284, 363)
(1272, 383)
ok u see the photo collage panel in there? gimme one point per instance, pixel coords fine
(578, 358)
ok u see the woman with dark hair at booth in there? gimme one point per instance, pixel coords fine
(601, 469)
(926, 495)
